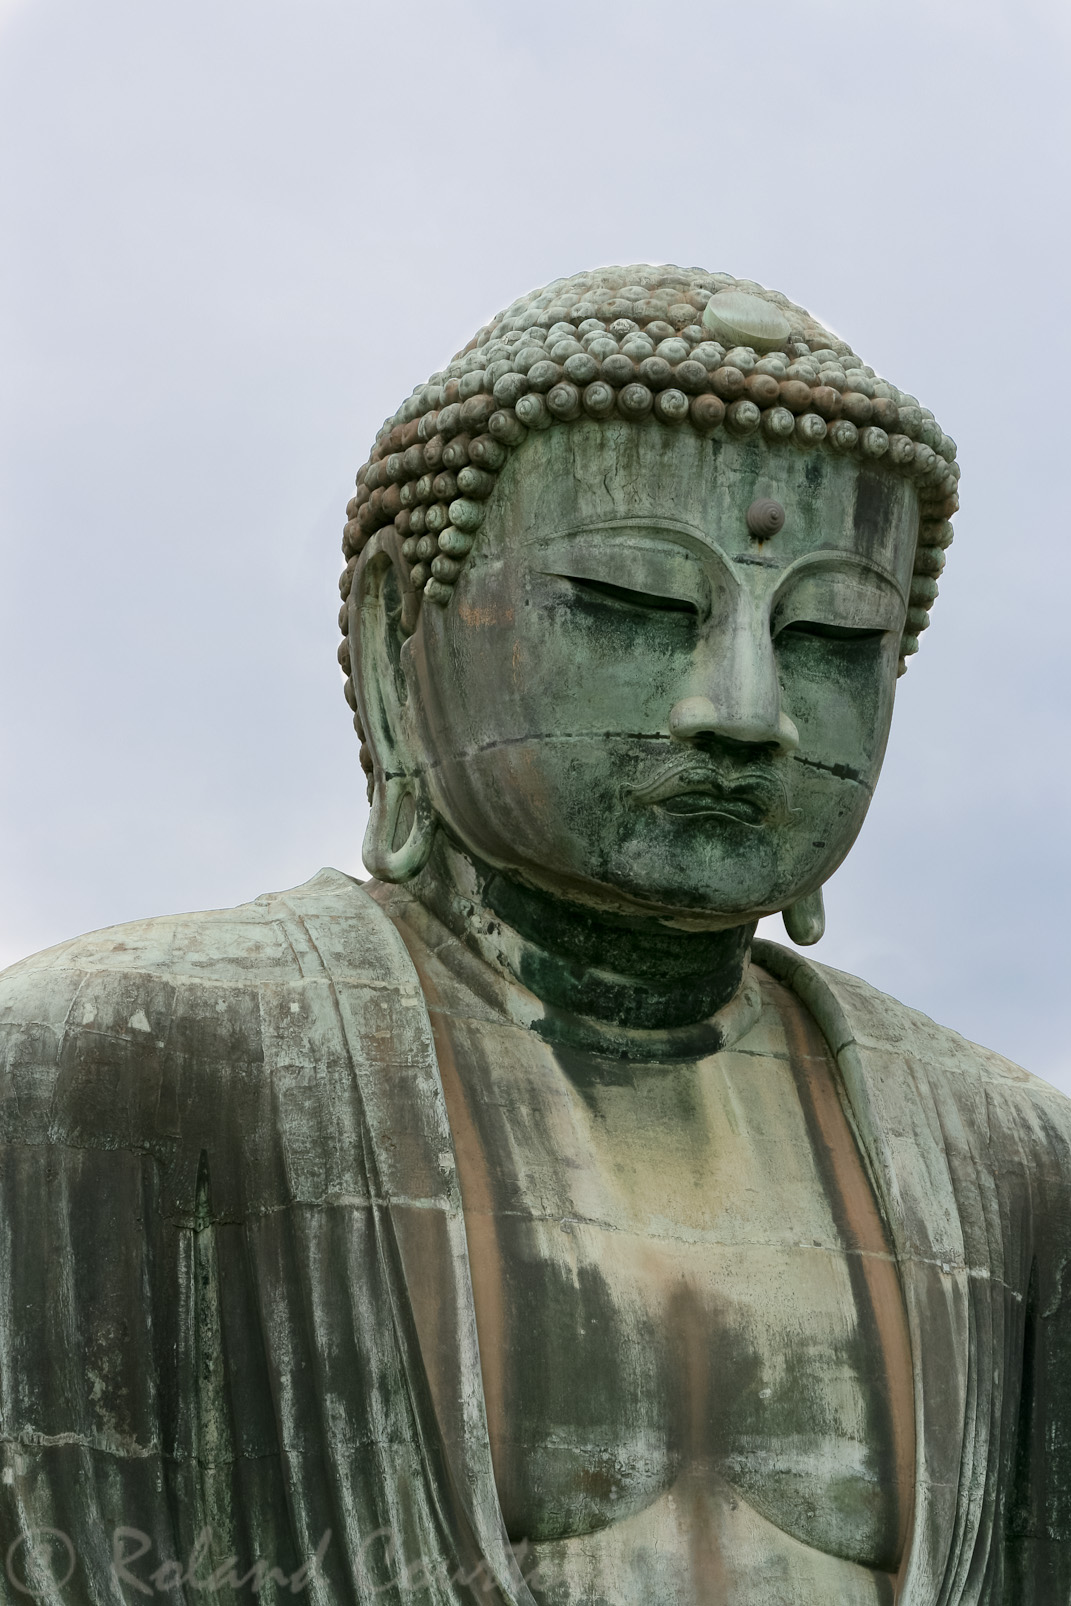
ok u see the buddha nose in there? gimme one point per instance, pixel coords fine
(694, 718)
(741, 699)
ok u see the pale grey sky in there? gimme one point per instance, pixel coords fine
(235, 233)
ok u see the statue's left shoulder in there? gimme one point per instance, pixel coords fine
(892, 1038)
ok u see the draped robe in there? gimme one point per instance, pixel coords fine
(238, 1353)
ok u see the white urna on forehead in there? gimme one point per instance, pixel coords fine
(677, 348)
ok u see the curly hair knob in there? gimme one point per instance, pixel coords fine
(581, 369)
(930, 561)
(563, 400)
(487, 453)
(475, 482)
(873, 441)
(707, 412)
(778, 423)
(599, 399)
(885, 413)
(825, 401)
(466, 514)
(762, 389)
(345, 579)
(856, 407)
(691, 377)
(505, 427)
(449, 422)
(743, 417)
(635, 401)
(655, 373)
(456, 452)
(810, 429)
(454, 542)
(445, 569)
(543, 376)
(510, 388)
(843, 435)
(470, 384)
(475, 412)
(728, 383)
(532, 412)
(618, 370)
(671, 405)
(795, 395)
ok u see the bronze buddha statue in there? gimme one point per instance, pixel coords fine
(516, 1226)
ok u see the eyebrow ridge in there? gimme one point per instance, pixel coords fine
(642, 521)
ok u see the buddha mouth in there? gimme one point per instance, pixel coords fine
(754, 796)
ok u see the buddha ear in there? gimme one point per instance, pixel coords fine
(805, 920)
(402, 822)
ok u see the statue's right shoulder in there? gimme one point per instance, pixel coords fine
(160, 966)
(236, 1032)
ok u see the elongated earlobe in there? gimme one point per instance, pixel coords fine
(805, 920)
(401, 829)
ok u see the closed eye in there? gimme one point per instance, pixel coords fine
(633, 599)
(814, 627)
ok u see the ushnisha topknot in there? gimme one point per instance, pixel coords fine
(677, 346)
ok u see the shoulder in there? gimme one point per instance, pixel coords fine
(243, 947)
(210, 986)
(891, 1034)
(260, 1037)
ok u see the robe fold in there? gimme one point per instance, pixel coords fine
(238, 1353)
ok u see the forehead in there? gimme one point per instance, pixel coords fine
(671, 483)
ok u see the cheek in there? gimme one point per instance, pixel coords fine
(551, 663)
(840, 697)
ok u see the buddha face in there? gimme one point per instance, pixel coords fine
(633, 701)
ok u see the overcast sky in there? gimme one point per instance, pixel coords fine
(235, 233)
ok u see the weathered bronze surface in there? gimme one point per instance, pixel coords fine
(516, 1227)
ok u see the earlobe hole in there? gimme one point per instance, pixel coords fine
(403, 826)
(391, 602)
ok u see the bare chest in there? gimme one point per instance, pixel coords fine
(682, 1284)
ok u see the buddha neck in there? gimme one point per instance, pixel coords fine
(627, 981)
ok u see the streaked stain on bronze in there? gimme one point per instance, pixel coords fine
(477, 1195)
(870, 1261)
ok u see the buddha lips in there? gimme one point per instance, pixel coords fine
(755, 795)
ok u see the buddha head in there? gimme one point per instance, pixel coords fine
(628, 589)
